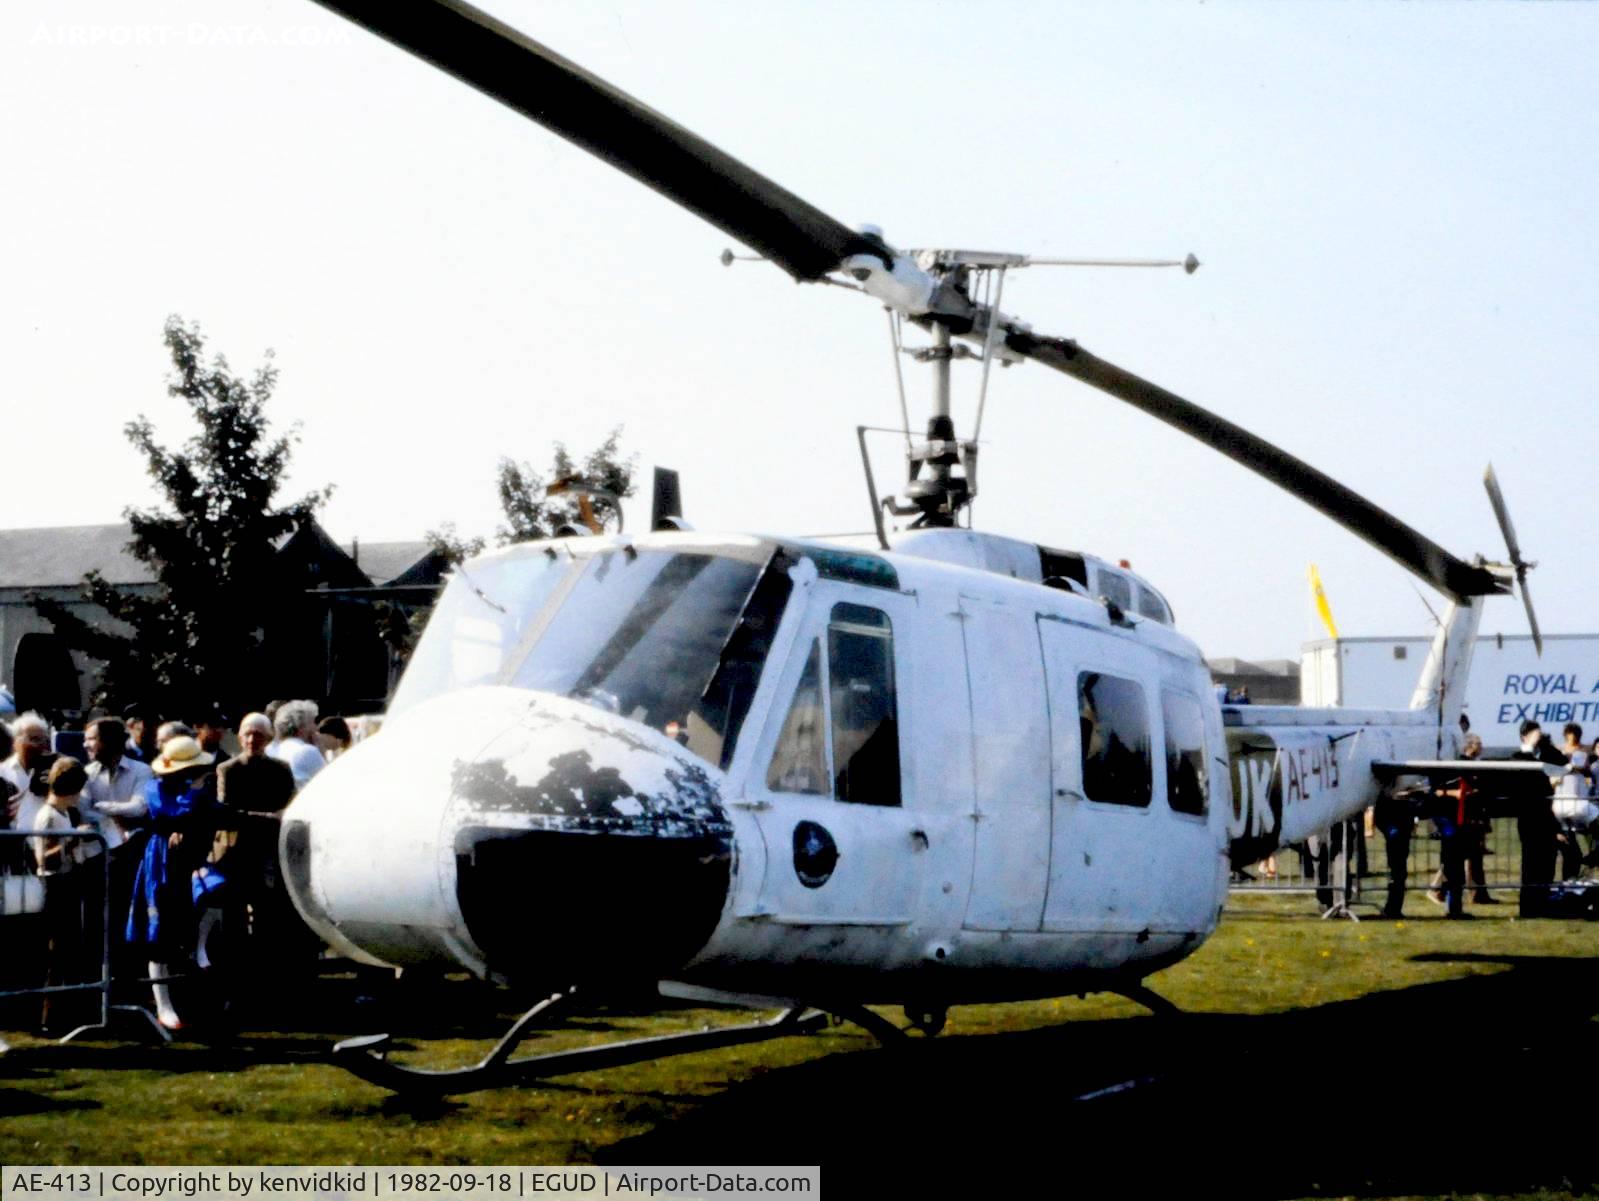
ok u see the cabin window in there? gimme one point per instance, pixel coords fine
(799, 763)
(1187, 790)
(848, 746)
(860, 660)
(1115, 739)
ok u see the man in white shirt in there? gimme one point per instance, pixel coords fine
(296, 745)
(114, 797)
(30, 747)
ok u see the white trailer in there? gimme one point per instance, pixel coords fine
(1509, 681)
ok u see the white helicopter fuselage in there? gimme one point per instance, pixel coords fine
(967, 768)
(797, 769)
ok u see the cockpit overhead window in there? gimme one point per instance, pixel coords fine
(1059, 564)
(1114, 725)
(1116, 589)
(1150, 605)
(847, 747)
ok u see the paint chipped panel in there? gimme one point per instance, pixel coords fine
(587, 849)
(564, 763)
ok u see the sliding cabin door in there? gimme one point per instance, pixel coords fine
(1011, 766)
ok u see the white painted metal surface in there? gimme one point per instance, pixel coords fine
(1010, 750)
(1029, 832)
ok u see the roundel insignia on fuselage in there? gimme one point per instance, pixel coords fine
(815, 854)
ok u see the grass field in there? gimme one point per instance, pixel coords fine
(1421, 1057)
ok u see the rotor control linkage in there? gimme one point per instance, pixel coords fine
(932, 354)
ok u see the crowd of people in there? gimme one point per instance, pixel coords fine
(190, 878)
(1550, 823)
(1553, 831)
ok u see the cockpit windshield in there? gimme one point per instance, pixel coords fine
(671, 639)
(477, 625)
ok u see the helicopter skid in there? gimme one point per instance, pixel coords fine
(1141, 994)
(367, 1056)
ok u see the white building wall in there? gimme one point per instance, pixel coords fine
(1509, 681)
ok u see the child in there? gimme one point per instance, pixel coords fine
(58, 859)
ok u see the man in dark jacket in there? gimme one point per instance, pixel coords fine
(1394, 815)
(1453, 812)
(253, 788)
(1536, 824)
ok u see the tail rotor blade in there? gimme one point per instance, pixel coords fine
(1496, 498)
(1532, 618)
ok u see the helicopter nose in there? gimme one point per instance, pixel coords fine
(574, 847)
(588, 848)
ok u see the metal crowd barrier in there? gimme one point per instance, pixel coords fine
(1318, 868)
(22, 900)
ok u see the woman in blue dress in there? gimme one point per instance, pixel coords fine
(182, 802)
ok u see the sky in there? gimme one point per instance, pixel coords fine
(1393, 206)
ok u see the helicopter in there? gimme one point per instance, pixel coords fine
(928, 767)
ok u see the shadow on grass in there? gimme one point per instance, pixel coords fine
(419, 1108)
(428, 1007)
(299, 1022)
(1457, 1086)
(1441, 1087)
(15, 1102)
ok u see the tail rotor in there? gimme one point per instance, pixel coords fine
(1521, 566)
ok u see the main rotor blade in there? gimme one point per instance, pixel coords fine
(605, 121)
(1450, 575)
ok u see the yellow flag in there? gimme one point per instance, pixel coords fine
(1321, 602)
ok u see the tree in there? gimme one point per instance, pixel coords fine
(532, 514)
(201, 638)
(451, 546)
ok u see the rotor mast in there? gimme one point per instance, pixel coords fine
(962, 300)
(937, 498)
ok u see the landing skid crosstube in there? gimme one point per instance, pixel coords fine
(367, 1056)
